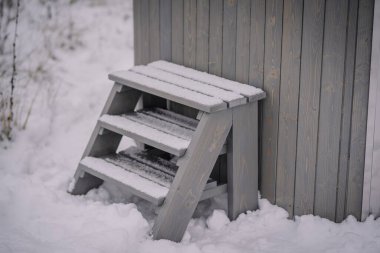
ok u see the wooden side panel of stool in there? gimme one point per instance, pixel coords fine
(194, 169)
(242, 161)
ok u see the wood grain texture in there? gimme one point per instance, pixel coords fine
(243, 21)
(272, 65)
(346, 110)
(215, 51)
(190, 32)
(154, 30)
(242, 161)
(359, 108)
(194, 170)
(136, 32)
(141, 26)
(216, 37)
(202, 31)
(311, 61)
(301, 115)
(167, 91)
(229, 39)
(256, 59)
(166, 30)
(177, 31)
(178, 34)
(257, 43)
(330, 108)
(288, 111)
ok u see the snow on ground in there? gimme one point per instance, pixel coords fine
(36, 213)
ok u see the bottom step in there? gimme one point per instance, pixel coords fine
(142, 174)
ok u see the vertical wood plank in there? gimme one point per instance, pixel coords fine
(166, 30)
(136, 32)
(178, 42)
(330, 108)
(242, 40)
(371, 188)
(359, 108)
(288, 111)
(216, 37)
(257, 41)
(142, 15)
(311, 59)
(272, 64)
(177, 31)
(154, 30)
(141, 31)
(242, 161)
(346, 110)
(190, 32)
(229, 39)
(256, 59)
(202, 46)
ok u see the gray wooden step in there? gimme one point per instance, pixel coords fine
(140, 173)
(169, 91)
(231, 98)
(252, 93)
(156, 127)
(145, 127)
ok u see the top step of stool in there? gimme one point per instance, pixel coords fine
(193, 88)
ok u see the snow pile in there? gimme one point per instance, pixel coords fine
(36, 213)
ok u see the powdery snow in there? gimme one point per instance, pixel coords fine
(36, 213)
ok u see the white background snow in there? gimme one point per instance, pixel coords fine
(89, 39)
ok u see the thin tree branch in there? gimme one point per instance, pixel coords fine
(14, 72)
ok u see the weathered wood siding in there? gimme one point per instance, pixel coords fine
(312, 57)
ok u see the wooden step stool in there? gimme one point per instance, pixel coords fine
(173, 167)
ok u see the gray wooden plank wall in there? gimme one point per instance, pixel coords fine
(312, 57)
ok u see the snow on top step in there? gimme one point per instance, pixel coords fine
(172, 117)
(160, 124)
(125, 177)
(169, 91)
(233, 99)
(145, 134)
(246, 90)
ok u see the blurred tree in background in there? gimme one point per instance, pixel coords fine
(9, 13)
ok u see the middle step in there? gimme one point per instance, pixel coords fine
(159, 128)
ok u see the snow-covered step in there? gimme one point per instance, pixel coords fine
(172, 117)
(136, 176)
(158, 163)
(135, 184)
(233, 99)
(248, 91)
(147, 129)
(168, 91)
